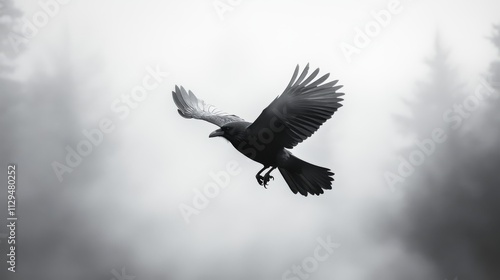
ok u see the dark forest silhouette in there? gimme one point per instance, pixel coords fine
(38, 119)
(451, 201)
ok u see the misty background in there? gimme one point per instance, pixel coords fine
(119, 207)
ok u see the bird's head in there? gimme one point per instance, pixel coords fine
(216, 133)
(230, 131)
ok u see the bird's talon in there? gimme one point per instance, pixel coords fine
(267, 178)
(260, 179)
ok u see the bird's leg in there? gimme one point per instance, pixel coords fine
(268, 176)
(260, 179)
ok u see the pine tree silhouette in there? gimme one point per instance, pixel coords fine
(451, 218)
(433, 96)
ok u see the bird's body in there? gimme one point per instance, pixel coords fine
(243, 139)
(288, 120)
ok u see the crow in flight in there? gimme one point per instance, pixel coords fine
(291, 118)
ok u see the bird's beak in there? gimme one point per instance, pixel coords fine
(216, 133)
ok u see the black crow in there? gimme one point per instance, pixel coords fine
(292, 117)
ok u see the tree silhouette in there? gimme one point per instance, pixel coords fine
(425, 110)
(450, 212)
(433, 96)
(40, 121)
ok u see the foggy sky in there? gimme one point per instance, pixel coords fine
(119, 208)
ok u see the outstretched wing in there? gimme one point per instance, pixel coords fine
(190, 107)
(300, 110)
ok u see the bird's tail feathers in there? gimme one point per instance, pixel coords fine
(304, 178)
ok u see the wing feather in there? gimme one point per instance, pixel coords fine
(302, 76)
(190, 107)
(302, 108)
